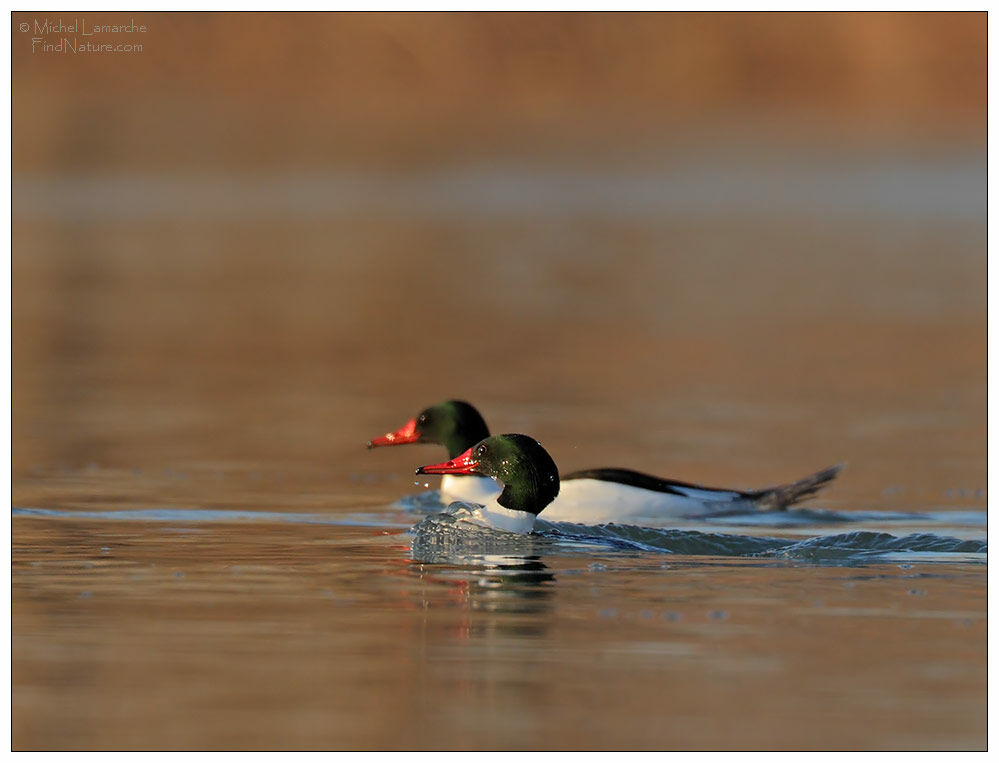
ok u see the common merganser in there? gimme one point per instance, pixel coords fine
(528, 474)
(457, 426)
(591, 495)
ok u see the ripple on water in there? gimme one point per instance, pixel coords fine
(440, 538)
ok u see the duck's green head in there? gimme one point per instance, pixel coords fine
(454, 424)
(529, 476)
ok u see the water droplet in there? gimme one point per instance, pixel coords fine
(178, 575)
(597, 567)
(673, 617)
(608, 613)
(718, 614)
(917, 592)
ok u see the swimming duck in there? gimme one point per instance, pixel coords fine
(527, 473)
(592, 495)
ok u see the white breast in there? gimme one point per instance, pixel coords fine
(493, 516)
(468, 487)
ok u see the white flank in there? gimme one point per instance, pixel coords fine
(593, 501)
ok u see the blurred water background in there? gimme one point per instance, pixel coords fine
(724, 248)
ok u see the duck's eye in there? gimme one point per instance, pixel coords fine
(481, 451)
(423, 418)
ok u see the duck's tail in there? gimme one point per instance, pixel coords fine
(780, 497)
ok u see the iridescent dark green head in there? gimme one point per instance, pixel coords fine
(454, 424)
(528, 473)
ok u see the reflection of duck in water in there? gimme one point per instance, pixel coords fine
(491, 594)
(524, 575)
(591, 496)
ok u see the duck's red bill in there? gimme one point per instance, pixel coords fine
(406, 433)
(463, 464)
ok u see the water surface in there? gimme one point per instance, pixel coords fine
(205, 555)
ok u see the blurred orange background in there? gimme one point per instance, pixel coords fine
(719, 247)
(305, 89)
(315, 223)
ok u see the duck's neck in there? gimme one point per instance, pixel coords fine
(522, 497)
